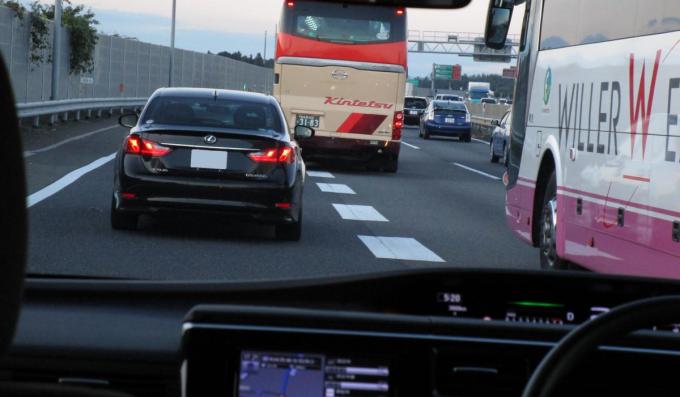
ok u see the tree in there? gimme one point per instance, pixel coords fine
(254, 60)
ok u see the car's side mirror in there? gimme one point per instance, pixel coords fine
(303, 132)
(498, 23)
(496, 123)
(128, 120)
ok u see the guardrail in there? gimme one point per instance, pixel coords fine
(65, 106)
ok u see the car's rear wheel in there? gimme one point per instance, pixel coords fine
(122, 221)
(290, 231)
(492, 155)
(548, 229)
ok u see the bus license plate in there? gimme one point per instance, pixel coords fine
(307, 120)
(450, 120)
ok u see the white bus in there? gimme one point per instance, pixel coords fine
(594, 168)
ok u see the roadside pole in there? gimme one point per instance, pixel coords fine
(56, 50)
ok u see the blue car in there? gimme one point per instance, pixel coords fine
(446, 118)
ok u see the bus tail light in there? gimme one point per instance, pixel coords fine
(397, 125)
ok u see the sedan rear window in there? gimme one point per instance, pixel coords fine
(209, 112)
(445, 105)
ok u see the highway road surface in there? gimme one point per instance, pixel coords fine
(443, 208)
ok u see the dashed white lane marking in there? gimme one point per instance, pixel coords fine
(320, 174)
(477, 171)
(359, 213)
(399, 248)
(481, 141)
(409, 145)
(66, 180)
(30, 153)
(335, 188)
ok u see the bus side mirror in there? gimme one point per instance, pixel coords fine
(498, 20)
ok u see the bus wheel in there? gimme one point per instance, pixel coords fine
(548, 236)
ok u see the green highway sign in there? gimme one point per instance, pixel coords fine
(447, 72)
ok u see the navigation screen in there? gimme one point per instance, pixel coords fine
(279, 374)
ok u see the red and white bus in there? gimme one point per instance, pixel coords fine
(341, 69)
(594, 168)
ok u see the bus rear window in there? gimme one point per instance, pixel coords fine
(343, 23)
(342, 30)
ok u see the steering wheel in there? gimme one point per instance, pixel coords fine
(585, 339)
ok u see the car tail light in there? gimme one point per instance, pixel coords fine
(283, 154)
(133, 144)
(467, 117)
(136, 145)
(397, 125)
(283, 206)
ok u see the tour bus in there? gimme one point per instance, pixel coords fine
(593, 176)
(341, 69)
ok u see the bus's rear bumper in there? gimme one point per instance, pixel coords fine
(356, 149)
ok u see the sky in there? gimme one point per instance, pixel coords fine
(234, 25)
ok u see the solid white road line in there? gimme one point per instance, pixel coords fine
(477, 171)
(320, 174)
(30, 153)
(409, 145)
(399, 248)
(66, 180)
(481, 141)
(335, 188)
(359, 213)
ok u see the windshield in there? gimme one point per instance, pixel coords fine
(210, 112)
(298, 139)
(416, 103)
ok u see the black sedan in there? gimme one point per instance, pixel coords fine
(213, 151)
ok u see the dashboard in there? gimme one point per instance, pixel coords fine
(438, 333)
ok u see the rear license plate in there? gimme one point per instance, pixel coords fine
(307, 120)
(413, 112)
(450, 120)
(210, 159)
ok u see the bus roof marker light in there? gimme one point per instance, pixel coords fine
(290, 3)
(400, 11)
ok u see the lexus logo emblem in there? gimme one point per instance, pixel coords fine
(339, 74)
(210, 139)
